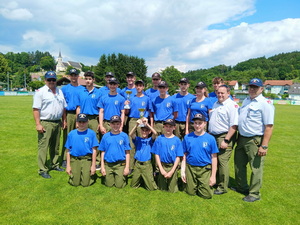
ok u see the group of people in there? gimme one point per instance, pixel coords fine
(152, 135)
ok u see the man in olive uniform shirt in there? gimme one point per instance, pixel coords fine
(255, 126)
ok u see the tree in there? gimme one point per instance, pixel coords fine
(36, 84)
(120, 64)
(172, 76)
(4, 68)
(47, 63)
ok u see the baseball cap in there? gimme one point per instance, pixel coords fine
(115, 119)
(256, 82)
(199, 116)
(170, 121)
(113, 80)
(184, 80)
(163, 84)
(89, 74)
(130, 74)
(156, 75)
(82, 118)
(50, 74)
(201, 84)
(109, 74)
(73, 71)
(139, 82)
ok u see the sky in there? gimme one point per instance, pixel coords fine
(188, 34)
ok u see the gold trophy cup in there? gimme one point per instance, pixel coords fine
(128, 92)
(142, 112)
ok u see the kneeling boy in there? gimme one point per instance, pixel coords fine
(143, 171)
(168, 150)
(199, 165)
(115, 148)
(81, 148)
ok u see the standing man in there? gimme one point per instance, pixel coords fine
(183, 99)
(153, 92)
(48, 110)
(71, 93)
(105, 89)
(223, 121)
(217, 82)
(111, 104)
(163, 108)
(256, 119)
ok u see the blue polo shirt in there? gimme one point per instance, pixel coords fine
(152, 93)
(114, 146)
(183, 102)
(200, 107)
(167, 148)
(105, 90)
(198, 149)
(137, 103)
(143, 148)
(88, 101)
(164, 108)
(81, 143)
(112, 105)
(71, 94)
(123, 92)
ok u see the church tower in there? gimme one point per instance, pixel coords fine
(59, 65)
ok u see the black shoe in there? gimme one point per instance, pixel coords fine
(218, 192)
(45, 175)
(58, 169)
(250, 198)
(64, 164)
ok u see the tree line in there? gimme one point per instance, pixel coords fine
(284, 66)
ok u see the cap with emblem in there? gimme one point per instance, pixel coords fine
(82, 117)
(130, 74)
(109, 74)
(163, 84)
(156, 76)
(50, 74)
(201, 84)
(184, 80)
(115, 119)
(199, 116)
(170, 122)
(113, 80)
(256, 82)
(139, 82)
(73, 71)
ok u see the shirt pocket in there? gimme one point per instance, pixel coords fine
(254, 112)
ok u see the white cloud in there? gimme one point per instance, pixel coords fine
(11, 11)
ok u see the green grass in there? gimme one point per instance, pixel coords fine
(26, 198)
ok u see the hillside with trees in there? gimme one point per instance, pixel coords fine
(284, 66)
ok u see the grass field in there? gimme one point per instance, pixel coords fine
(26, 198)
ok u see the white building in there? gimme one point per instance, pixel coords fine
(62, 66)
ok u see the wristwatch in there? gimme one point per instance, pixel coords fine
(226, 141)
(264, 147)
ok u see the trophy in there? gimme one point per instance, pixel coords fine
(128, 92)
(141, 110)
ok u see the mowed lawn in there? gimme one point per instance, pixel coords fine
(26, 198)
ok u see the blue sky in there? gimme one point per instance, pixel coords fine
(189, 34)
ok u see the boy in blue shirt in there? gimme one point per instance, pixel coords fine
(143, 171)
(199, 164)
(110, 104)
(163, 107)
(115, 156)
(81, 146)
(168, 150)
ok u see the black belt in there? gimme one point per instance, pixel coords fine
(158, 121)
(143, 163)
(167, 164)
(122, 162)
(89, 156)
(251, 136)
(52, 121)
(71, 111)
